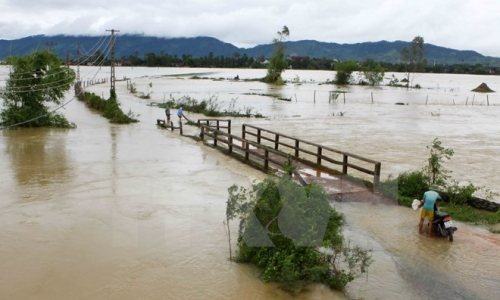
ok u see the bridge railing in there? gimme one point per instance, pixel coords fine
(217, 124)
(250, 150)
(313, 153)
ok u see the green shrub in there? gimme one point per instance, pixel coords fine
(462, 213)
(293, 235)
(412, 184)
(405, 201)
(110, 109)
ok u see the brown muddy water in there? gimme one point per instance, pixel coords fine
(135, 212)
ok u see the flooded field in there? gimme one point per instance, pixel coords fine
(135, 212)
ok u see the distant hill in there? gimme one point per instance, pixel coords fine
(126, 45)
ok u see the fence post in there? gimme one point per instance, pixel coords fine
(258, 136)
(376, 176)
(296, 148)
(243, 141)
(230, 145)
(215, 138)
(318, 159)
(266, 161)
(247, 150)
(276, 141)
(229, 126)
(180, 127)
(344, 164)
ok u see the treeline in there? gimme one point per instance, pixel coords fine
(298, 63)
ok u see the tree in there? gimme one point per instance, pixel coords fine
(436, 173)
(344, 71)
(293, 234)
(374, 74)
(277, 63)
(35, 81)
(413, 58)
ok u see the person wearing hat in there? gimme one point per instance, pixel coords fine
(427, 204)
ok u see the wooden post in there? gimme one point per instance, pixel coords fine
(229, 126)
(266, 161)
(276, 141)
(258, 136)
(247, 150)
(376, 176)
(202, 136)
(318, 159)
(344, 165)
(215, 138)
(180, 127)
(230, 144)
(296, 148)
(243, 141)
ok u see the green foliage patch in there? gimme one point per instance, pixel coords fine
(293, 235)
(110, 108)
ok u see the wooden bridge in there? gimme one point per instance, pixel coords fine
(339, 172)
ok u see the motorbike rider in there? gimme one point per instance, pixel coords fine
(427, 203)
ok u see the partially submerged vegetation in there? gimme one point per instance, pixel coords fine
(293, 235)
(412, 184)
(36, 81)
(109, 108)
(210, 107)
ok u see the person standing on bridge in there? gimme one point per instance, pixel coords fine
(167, 113)
(180, 113)
(427, 203)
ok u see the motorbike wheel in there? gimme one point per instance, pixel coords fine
(450, 234)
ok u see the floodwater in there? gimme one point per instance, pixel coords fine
(134, 212)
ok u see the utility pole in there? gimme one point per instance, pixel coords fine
(78, 63)
(113, 58)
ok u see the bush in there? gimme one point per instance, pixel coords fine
(412, 184)
(110, 109)
(405, 201)
(293, 235)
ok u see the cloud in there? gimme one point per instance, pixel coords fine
(462, 25)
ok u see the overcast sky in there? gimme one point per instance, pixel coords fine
(458, 24)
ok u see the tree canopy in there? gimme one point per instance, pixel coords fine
(35, 81)
(277, 63)
(343, 74)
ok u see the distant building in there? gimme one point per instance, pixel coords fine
(298, 57)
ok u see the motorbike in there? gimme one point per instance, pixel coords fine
(442, 224)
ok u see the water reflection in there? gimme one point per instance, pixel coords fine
(38, 156)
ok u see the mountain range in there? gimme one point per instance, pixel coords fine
(130, 45)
